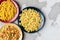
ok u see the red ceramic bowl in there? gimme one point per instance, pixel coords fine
(16, 15)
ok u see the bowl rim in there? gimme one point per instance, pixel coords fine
(37, 9)
(16, 15)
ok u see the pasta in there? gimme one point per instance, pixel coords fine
(10, 32)
(7, 10)
(30, 19)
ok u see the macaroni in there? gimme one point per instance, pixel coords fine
(30, 19)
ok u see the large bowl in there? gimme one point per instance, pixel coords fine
(42, 18)
(16, 15)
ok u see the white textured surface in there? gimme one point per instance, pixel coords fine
(51, 30)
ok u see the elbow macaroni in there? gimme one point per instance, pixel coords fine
(7, 10)
(30, 19)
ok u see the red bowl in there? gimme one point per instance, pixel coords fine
(16, 15)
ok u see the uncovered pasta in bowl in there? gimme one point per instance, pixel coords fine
(10, 31)
(31, 19)
(9, 11)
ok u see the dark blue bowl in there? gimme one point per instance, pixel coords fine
(41, 15)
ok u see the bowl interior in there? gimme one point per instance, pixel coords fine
(41, 15)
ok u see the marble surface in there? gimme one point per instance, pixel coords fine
(51, 10)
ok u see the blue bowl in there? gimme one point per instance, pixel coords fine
(41, 15)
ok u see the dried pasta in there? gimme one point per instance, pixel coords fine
(7, 10)
(30, 19)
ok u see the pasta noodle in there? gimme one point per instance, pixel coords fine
(7, 10)
(10, 32)
(30, 19)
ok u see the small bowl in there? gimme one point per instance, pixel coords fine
(16, 15)
(41, 15)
